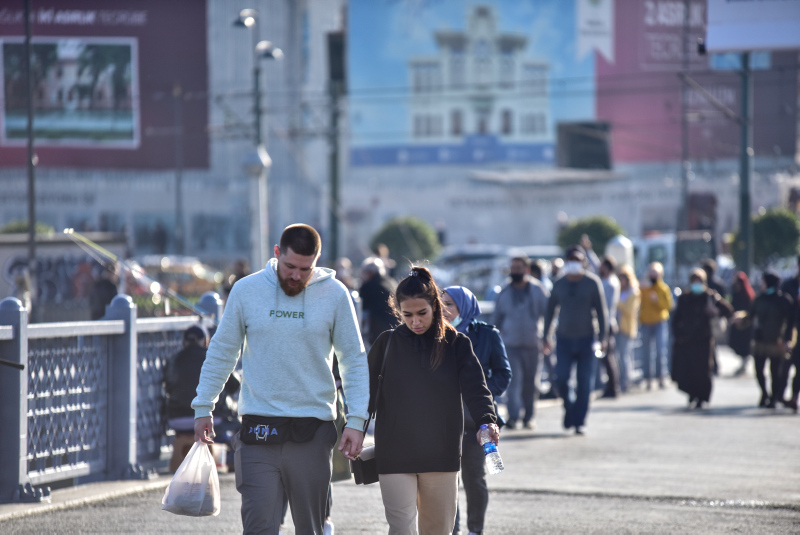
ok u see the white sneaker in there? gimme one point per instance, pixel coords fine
(328, 528)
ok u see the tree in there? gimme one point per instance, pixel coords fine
(776, 234)
(408, 238)
(600, 230)
(21, 227)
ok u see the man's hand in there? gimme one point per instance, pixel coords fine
(494, 433)
(604, 347)
(204, 430)
(351, 443)
(546, 348)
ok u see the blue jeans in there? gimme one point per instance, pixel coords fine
(656, 333)
(575, 352)
(624, 355)
(524, 387)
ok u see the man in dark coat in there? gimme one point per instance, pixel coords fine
(375, 293)
(791, 289)
(181, 376)
(773, 314)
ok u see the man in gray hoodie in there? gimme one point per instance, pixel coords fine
(289, 319)
(517, 313)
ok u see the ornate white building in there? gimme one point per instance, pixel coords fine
(481, 83)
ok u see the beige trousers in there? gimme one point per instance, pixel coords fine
(433, 495)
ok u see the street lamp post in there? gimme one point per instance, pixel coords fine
(257, 164)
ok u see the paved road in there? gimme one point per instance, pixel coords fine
(647, 465)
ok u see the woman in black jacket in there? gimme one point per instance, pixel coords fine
(419, 420)
(461, 309)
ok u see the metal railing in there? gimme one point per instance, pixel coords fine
(88, 403)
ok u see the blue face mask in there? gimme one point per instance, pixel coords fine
(769, 291)
(456, 321)
(697, 287)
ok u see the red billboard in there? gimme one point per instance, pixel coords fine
(640, 92)
(114, 84)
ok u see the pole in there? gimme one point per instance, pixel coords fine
(31, 166)
(745, 258)
(683, 222)
(256, 88)
(335, 90)
(177, 100)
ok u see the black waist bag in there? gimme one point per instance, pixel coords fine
(271, 430)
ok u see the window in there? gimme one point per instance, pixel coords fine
(426, 77)
(507, 70)
(483, 124)
(457, 68)
(534, 78)
(456, 123)
(507, 122)
(483, 62)
(533, 123)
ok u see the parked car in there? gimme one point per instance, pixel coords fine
(184, 275)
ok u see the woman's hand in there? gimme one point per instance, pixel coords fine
(494, 434)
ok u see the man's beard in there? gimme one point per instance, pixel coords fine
(289, 290)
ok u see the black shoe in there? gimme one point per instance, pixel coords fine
(511, 424)
(764, 401)
(771, 404)
(698, 404)
(580, 430)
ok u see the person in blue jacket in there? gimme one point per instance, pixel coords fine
(461, 309)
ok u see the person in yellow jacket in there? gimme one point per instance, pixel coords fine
(627, 322)
(656, 301)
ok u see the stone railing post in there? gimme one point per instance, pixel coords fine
(14, 484)
(122, 390)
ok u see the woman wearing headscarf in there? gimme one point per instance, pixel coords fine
(693, 346)
(419, 374)
(741, 339)
(461, 309)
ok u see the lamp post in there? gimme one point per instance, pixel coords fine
(257, 164)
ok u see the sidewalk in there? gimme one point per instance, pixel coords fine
(647, 464)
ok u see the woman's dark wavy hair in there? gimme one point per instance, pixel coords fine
(419, 284)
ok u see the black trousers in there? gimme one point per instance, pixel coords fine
(793, 361)
(776, 371)
(473, 477)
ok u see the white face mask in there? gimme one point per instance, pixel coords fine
(573, 267)
(456, 321)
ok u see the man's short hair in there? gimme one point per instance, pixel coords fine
(709, 265)
(195, 334)
(524, 259)
(373, 264)
(302, 239)
(610, 263)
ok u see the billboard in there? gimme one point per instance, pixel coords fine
(746, 25)
(107, 81)
(84, 96)
(640, 92)
(450, 82)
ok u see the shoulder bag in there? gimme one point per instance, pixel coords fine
(365, 466)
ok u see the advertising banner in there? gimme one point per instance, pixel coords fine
(746, 25)
(107, 81)
(450, 82)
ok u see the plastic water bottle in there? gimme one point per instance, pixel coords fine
(494, 464)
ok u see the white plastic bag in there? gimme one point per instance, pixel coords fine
(194, 490)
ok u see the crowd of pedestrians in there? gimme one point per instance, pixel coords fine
(294, 353)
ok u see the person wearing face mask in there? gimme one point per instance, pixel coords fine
(461, 309)
(773, 315)
(518, 310)
(693, 338)
(656, 302)
(579, 305)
